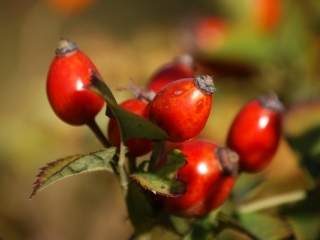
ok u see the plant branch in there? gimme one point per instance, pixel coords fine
(272, 201)
(98, 133)
(122, 169)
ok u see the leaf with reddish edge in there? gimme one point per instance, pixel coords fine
(162, 181)
(159, 185)
(73, 165)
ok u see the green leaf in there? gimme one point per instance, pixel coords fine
(246, 186)
(246, 45)
(307, 146)
(181, 225)
(103, 89)
(158, 148)
(265, 227)
(73, 165)
(175, 160)
(304, 217)
(131, 125)
(134, 126)
(158, 233)
(305, 226)
(140, 210)
(158, 185)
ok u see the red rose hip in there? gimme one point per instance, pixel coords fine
(209, 33)
(136, 147)
(69, 75)
(256, 131)
(267, 13)
(182, 107)
(182, 67)
(209, 175)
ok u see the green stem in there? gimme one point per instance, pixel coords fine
(273, 201)
(98, 133)
(122, 169)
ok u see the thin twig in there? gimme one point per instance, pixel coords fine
(272, 201)
(98, 133)
(122, 169)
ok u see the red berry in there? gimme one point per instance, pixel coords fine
(69, 74)
(209, 175)
(209, 33)
(182, 67)
(136, 147)
(256, 131)
(182, 107)
(267, 13)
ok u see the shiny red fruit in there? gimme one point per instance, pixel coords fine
(267, 13)
(209, 175)
(255, 133)
(182, 67)
(69, 75)
(136, 147)
(182, 107)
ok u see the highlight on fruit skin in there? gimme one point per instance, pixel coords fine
(209, 175)
(69, 75)
(182, 107)
(256, 131)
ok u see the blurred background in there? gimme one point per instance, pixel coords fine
(249, 46)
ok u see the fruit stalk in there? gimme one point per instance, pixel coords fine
(122, 169)
(98, 133)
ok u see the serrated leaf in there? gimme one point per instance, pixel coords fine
(131, 125)
(175, 160)
(158, 185)
(73, 165)
(265, 227)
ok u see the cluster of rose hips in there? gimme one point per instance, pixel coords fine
(179, 102)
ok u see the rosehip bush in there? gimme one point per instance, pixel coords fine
(193, 188)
